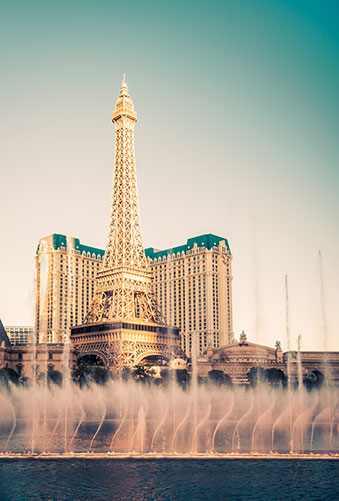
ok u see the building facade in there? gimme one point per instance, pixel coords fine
(30, 358)
(39, 359)
(20, 334)
(65, 284)
(237, 359)
(193, 284)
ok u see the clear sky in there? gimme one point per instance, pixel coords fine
(237, 135)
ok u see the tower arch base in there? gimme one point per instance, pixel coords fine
(122, 344)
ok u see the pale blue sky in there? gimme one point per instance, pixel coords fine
(237, 135)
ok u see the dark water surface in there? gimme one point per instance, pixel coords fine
(168, 479)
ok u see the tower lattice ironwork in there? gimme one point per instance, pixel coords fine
(124, 284)
(124, 323)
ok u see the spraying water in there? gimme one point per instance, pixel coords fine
(322, 303)
(225, 420)
(288, 341)
(300, 391)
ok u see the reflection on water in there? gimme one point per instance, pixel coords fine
(168, 479)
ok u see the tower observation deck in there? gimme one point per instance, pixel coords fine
(124, 325)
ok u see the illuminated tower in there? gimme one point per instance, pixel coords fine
(124, 325)
(124, 283)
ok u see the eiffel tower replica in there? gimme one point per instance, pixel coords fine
(124, 325)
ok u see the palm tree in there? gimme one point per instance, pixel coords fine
(142, 374)
(8, 375)
(275, 376)
(219, 377)
(84, 374)
(314, 380)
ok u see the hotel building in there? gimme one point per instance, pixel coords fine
(19, 334)
(193, 284)
(65, 283)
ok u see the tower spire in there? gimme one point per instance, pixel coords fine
(124, 92)
(124, 105)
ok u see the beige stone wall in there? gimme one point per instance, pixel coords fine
(237, 359)
(26, 359)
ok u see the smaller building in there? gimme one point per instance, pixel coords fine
(326, 362)
(19, 334)
(237, 359)
(28, 358)
(41, 358)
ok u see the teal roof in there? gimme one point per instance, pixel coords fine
(206, 241)
(61, 241)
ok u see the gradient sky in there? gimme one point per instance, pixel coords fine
(237, 135)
